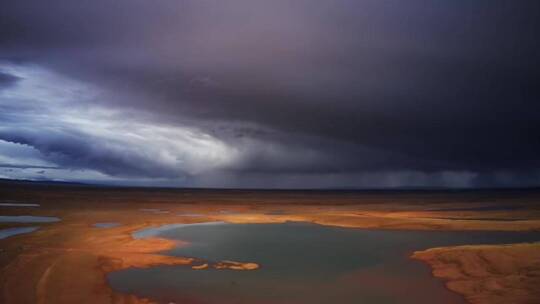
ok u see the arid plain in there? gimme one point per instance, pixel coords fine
(67, 261)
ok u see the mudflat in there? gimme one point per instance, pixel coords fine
(488, 273)
(67, 261)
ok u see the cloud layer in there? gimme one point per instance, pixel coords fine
(273, 93)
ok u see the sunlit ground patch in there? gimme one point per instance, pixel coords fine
(153, 210)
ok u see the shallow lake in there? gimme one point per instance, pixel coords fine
(301, 263)
(27, 219)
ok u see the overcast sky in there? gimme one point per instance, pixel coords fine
(271, 94)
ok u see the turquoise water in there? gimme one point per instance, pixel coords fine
(106, 225)
(301, 263)
(5, 233)
(27, 219)
(165, 230)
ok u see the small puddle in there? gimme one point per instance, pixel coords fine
(18, 205)
(106, 225)
(190, 214)
(5, 233)
(27, 219)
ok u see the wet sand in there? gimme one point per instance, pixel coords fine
(67, 261)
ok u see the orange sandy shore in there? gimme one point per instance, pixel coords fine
(67, 262)
(488, 273)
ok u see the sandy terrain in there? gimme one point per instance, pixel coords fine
(67, 262)
(489, 273)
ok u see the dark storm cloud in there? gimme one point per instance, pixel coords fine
(26, 166)
(7, 79)
(79, 151)
(304, 87)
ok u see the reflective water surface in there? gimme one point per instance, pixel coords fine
(5, 233)
(301, 263)
(106, 225)
(27, 219)
(18, 205)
